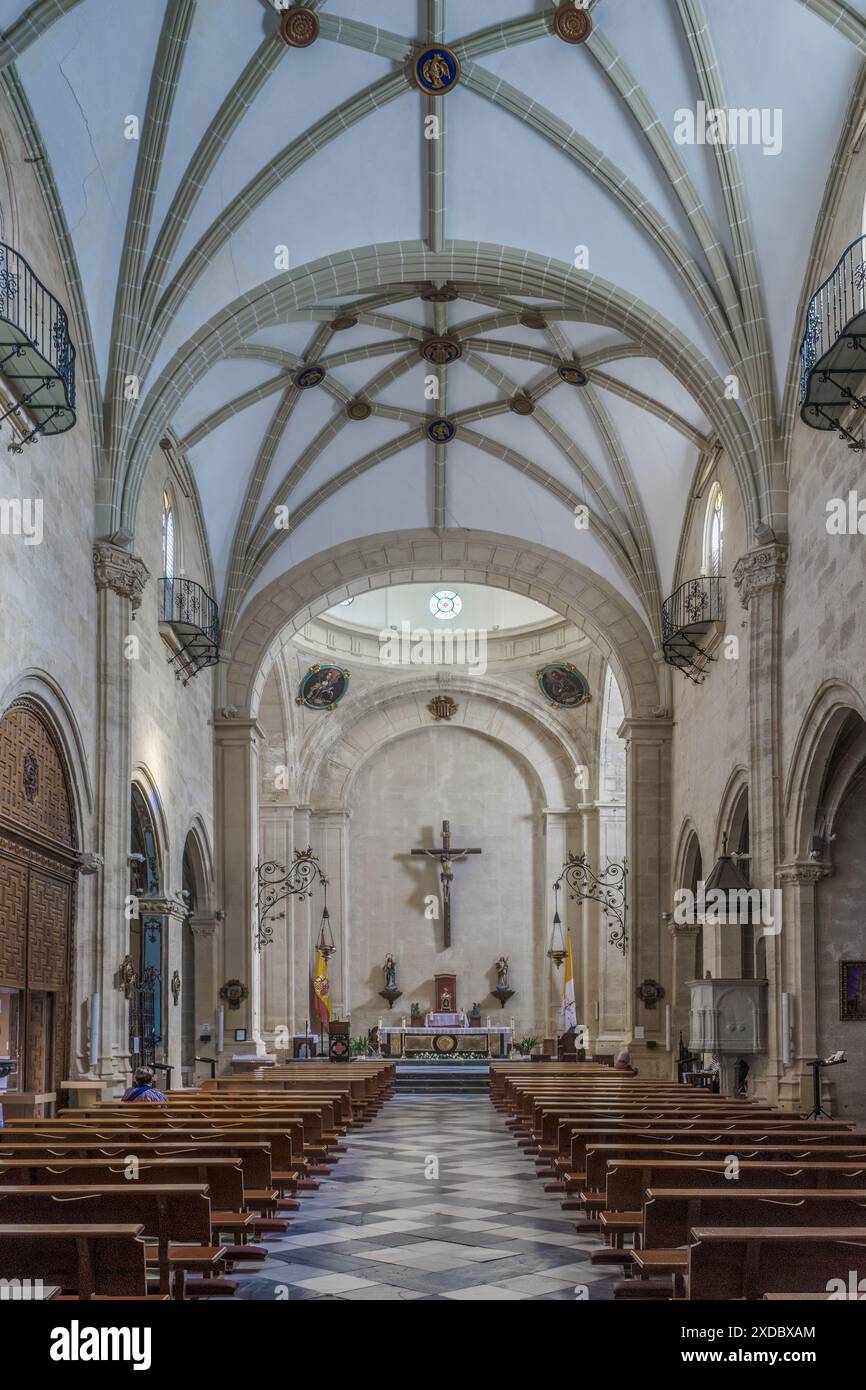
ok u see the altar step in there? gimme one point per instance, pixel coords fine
(442, 1078)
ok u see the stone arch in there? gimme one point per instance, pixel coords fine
(829, 710)
(547, 752)
(688, 851)
(143, 779)
(196, 843)
(733, 807)
(480, 557)
(41, 690)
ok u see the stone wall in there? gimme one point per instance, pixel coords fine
(50, 650)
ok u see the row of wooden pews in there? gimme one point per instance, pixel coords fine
(143, 1200)
(695, 1196)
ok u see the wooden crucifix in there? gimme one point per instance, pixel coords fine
(447, 855)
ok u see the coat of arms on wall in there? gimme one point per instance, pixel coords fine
(852, 991)
(234, 993)
(563, 685)
(323, 687)
(443, 707)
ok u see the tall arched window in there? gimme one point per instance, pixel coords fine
(714, 531)
(169, 535)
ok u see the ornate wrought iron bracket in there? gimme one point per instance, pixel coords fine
(275, 885)
(607, 888)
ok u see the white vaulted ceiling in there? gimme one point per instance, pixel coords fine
(696, 259)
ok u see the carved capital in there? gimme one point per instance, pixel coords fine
(117, 569)
(203, 927)
(800, 872)
(89, 862)
(760, 570)
(163, 907)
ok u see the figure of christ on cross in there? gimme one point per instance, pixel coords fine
(447, 856)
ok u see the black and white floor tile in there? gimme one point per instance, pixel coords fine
(433, 1200)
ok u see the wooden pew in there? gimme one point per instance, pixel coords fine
(176, 1216)
(89, 1260)
(749, 1262)
(670, 1213)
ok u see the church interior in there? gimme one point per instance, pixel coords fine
(432, 651)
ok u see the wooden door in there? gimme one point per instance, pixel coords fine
(37, 893)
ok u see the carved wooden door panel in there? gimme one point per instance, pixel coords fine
(37, 891)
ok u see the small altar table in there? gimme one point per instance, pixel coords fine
(444, 1040)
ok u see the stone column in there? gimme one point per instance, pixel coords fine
(760, 578)
(559, 838)
(238, 742)
(683, 942)
(302, 935)
(613, 982)
(330, 836)
(648, 851)
(276, 846)
(205, 944)
(798, 881)
(120, 579)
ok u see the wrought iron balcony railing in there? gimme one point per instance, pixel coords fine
(833, 350)
(193, 617)
(37, 358)
(687, 616)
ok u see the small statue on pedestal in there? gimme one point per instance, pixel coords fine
(390, 992)
(502, 991)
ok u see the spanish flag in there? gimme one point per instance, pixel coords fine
(568, 1012)
(321, 989)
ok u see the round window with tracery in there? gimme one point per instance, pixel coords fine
(446, 604)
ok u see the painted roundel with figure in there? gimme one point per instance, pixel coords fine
(563, 685)
(323, 687)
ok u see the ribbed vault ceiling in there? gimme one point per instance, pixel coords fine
(696, 261)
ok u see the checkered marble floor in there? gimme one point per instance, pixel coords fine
(434, 1200)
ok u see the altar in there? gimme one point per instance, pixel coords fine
(435, 1038)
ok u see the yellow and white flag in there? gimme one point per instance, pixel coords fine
(321, 989)
(568, 1013)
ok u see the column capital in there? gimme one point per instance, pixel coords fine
(119, 570)
(760, 571)
(646, 730)
(202, 925)
(164, 907)
(679, 930)
(801, 872)
(235, 730)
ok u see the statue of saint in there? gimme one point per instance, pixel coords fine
(502, 972)
(390, 972)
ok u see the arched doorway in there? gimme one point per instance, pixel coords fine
(38, 865)
(145, 936)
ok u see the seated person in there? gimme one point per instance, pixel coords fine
(144, 1088)
(622, 1060)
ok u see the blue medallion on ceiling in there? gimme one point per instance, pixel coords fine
(437, 70)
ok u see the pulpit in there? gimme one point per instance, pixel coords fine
(728, 1018)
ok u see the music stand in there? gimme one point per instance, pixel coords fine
(816, 1063)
